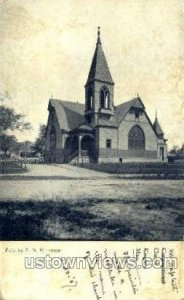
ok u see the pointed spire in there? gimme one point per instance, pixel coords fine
(99, 69)
(157, 126)
(98, 36)
(156, 114)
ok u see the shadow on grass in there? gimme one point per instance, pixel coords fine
(26, 220)
(63, 220)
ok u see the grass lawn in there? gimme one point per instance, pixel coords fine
(105, 209)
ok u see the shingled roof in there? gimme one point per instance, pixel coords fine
(122, 109)
(99, 69)
(158, 128)
(70, 115)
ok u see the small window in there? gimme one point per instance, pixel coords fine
(137, 116)
(108, 143)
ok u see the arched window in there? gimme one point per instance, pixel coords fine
(136, 138)
(52, 139)
(104, 98)
(89, 99)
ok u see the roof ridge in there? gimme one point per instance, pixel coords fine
(127, 101)
(69, 114)
(67, 101)
(72, 101)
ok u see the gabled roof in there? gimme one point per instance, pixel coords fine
(70, 115)
(158, 128)
(122, 109)
(99, 68)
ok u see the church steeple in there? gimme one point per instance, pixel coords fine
(98, 38)
(157, 127)
(99, 88)
(99, 68)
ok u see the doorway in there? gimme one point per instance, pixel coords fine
(162, 153)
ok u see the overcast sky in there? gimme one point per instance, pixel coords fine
(46, 48)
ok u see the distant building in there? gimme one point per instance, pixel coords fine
(98, 131)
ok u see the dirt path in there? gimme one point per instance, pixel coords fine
(60, 170)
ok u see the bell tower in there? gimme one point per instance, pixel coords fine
(99, 88)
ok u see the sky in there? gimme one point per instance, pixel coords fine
(46, 48)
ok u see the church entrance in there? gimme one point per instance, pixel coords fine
(87, 146)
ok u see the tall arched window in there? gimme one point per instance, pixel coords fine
(136, 138)
(89, 99)
(104, 98)
(52, 138)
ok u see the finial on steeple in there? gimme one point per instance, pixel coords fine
(98, 36)
(156, 114)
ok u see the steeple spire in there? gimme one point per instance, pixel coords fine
(157, 126)
(99, 69)
(156, 114)
(98, 36)
(99, 88)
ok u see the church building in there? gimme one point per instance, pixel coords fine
(99, 130)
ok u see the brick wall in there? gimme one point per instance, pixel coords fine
(137, 153)
(108, 160)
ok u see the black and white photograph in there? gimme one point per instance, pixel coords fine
(91, 149)
(91, 120)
